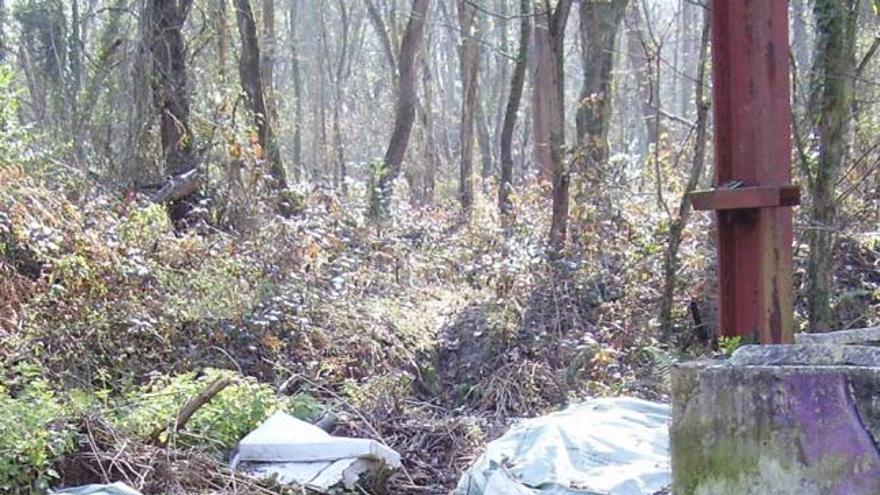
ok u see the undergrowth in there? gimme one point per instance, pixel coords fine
(429, 331)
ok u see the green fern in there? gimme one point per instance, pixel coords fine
(662, 361)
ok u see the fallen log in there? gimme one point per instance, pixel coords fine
(178, 187)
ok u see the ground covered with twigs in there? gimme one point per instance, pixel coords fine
(430, 332)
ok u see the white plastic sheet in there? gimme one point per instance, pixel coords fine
(295, 452)
(613, 446)
(113, 489)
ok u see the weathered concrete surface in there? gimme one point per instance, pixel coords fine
(755, 428)
(813, 355)
(862, 336)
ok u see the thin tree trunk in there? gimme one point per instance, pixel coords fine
(293, 20)
(831, 95)
(404, 116)
(109, 44)
(267, 65)
(338, 95)
(267, 54)
(504, 60)
(450, 76)
(677, 55)
(524, 145)
(640, 63)
(321, 101)
(75, 62)
(469, 64)
(138, 111)
(382, 33)
(543, 74)
(550, 32)
(676, 229)
(800, 40)
(249, 71)
(690, 49)
(3, 40)
(222, 38)
(484, 139)
(431, 157)
(517, 83)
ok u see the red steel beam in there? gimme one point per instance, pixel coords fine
(746, 197)
(753, 150)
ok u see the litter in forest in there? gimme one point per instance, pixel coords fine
(292, 451)
(112, 489)
(614, 446)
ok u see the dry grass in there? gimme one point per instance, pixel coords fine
(108, 456)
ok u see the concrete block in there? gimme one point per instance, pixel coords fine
(778, 420)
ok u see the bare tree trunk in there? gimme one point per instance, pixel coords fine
(800, 40)
(382, 33)
(513, 102)
(689, 49)
(108, 45)
(222, 37)
(652, 45)
(469, 64)
(550, 30)
(431, 157)
(449, 77)
(267, 66)
(504, 59)
(831, 95)
(252, 84)
(677, 53)
(524, 145)
(407, 99)
(75, 62)
(598, 28)
(338, 94)
(323, 155)
(543, 74)
(484, 139)
(640, 64)
(292, 21)
(170, 94)
(3, 41)
(676, 228)
(138, 112)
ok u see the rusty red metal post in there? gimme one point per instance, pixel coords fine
(752, 195)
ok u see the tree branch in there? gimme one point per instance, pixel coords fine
(191, 407)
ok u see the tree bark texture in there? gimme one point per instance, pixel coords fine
(469, 65)
(510, 114)
(249, 66)
(549, 36)
(698, 161)
(405, 110)
(831, 100)
(599, 21)
(170, 93)
(293, 20)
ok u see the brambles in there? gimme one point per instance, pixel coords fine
(430, 333)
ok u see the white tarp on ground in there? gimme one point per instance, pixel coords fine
(295, 452)
(114, 489)
(614, 446)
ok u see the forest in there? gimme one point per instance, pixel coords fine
(417, 220)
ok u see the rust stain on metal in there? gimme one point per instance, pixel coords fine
(746, 197)
(752, 149)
